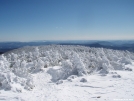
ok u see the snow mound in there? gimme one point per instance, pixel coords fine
(61, 62)
(116, 76)
(83, 80)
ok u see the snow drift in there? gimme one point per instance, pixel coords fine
(62, 62)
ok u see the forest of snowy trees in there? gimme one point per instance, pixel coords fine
(17, 66)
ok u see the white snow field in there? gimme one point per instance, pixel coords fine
(66, 73)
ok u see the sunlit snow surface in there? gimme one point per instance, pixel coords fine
(66, 73)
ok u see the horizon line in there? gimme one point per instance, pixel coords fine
(74, 40)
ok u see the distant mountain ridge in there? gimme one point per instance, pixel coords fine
(117, 44)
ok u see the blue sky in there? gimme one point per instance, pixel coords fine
(28, 20)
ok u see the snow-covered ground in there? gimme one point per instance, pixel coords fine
(66, 73)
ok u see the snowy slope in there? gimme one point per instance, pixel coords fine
(62, 73)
